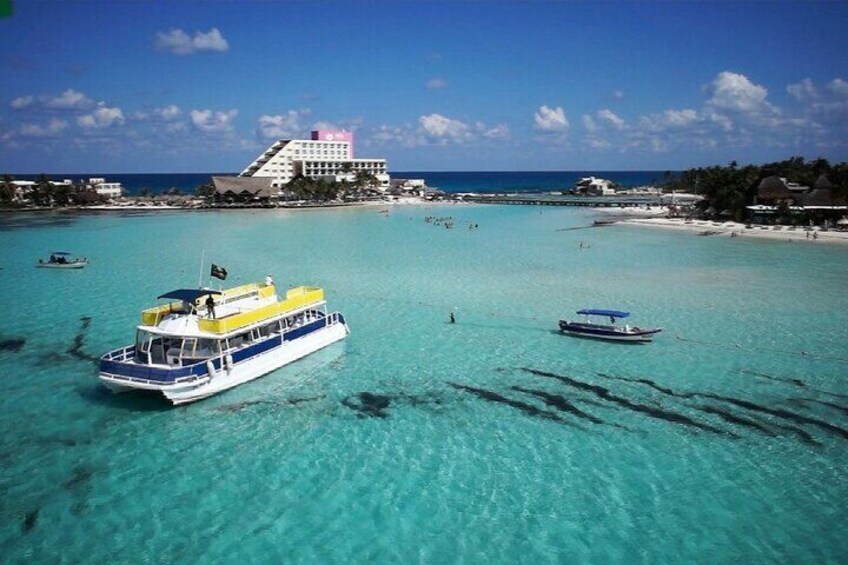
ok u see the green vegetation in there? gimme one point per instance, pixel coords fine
(319, 190)
(728, 190)
(44, 193)
(304, 188)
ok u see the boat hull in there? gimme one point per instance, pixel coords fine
(72, 265)
(259, 365)
(608, 333)
(226, 374)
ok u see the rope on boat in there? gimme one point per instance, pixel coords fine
(802, 353)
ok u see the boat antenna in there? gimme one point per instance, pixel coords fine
(200, 275)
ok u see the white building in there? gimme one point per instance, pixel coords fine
(328, 155)
(594, 187)
(107, 189)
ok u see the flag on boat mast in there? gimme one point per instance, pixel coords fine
(218, 272)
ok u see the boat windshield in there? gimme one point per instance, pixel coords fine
(155, 349)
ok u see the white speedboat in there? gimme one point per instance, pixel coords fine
(611, 331)
(204, 341)
(62, 260)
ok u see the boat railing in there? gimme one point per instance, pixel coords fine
(120, 364)
(152, 316)
(246, 291)
(177, 381)
(121, 355)
(334, 318)
(296, 298)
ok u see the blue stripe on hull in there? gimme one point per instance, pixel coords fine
(169, 376)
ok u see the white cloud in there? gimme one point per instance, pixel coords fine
(803, 90)
(213, 122)
(609, 117)
(435, 84)
(597, 143)
(350, 125)
(550, 119)
(403, 136)
(210, 41)
(178, 42)
(70, 99)
(724, 122)
(680, 118)
(598, 127)
(168, 113)
(285, 126)
(732, 91)
(440, 130)
(174, 127)
(670, 119)
(825, 105)
(499, 131)
(838, 86)
(21, 102)
(102, 117)
(54, 128)
(443, 128)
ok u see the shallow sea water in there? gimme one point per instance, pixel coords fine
(492, 440)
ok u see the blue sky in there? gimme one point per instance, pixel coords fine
(163, 86)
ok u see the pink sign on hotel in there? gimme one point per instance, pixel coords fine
(327, 135)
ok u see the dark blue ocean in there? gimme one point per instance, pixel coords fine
(467, 181)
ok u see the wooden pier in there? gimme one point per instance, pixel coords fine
(564, 200)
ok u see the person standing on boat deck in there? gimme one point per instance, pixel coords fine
(269, 281)
(210, 306)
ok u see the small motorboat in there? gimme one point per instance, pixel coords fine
(63, 260)
(611, 331)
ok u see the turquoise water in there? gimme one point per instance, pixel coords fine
(414, 440)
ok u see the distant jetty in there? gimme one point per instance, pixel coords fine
(559, 199)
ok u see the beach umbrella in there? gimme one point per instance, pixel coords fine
(842, 221)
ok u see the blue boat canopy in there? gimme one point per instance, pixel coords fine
(61, 253)
(610, 313)
(188, 294)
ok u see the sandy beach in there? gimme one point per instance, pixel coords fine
(814, 235)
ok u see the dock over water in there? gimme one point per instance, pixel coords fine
(618, 201)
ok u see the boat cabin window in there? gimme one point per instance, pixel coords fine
(173, 351)
(268, 329)
(199, 348)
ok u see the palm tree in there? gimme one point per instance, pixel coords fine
(42, 191)
(7, 191)
(365, 179)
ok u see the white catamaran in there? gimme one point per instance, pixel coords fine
(204, 341)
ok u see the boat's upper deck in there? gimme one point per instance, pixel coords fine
(236, 308)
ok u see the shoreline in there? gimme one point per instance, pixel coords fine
(813, 235)
(404, 201)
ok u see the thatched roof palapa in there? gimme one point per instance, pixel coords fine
(823, 182)
(773, 188)
(255, 187)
